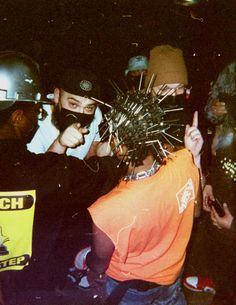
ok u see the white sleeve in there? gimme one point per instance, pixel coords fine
(44, 136)
(37, 144)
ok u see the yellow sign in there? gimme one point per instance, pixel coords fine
(16, 228)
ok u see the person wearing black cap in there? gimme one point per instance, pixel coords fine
(74, 109)
(35, 189)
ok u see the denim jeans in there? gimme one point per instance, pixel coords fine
(160, 295)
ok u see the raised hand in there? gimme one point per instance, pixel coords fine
(72, 136)
(193, 139)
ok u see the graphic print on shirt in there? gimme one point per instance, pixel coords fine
(185, 195)
(16, 229)
(3, 240)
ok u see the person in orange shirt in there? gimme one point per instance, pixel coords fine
(142, 227)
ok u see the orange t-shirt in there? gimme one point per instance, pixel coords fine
(150, 221)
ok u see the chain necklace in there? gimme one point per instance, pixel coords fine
(143, 174)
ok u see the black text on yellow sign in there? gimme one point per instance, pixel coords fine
(13, 203)
(14, 261)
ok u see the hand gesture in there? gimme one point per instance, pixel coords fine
(73, 136)
(208, 196)
(222, 222)
(193, 139)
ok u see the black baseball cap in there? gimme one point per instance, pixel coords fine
(79, 82)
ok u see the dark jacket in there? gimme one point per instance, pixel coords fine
(65, 186)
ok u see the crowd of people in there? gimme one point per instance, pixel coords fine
(128, 195)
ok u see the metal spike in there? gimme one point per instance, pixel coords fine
(163, 97)
(162, 149)
(171, 110)
(150, 84)
(101, 102)
(169, 135)
(140, 81)
(115, 87)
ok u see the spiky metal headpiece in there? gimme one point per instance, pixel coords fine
(139, 121)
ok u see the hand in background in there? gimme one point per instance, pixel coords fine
(222, 222)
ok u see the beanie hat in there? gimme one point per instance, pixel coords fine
(168, 66)
(79, 82)
(137, 63)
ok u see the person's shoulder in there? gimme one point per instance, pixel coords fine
(182, 153)
(182, 158)
(111, 202)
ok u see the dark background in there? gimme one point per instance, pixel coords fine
(103, 34)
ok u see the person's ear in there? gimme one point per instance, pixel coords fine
(17, 116)
(56, 95)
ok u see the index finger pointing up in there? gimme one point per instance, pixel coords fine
(195, 119)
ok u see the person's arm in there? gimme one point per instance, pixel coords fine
(193, 142)
(208, 196)
(99, 258)
(73, 136)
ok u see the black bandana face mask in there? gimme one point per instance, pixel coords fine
(63, 118)
(175, 100)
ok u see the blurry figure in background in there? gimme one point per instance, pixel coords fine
(220, 188)
(142, 250)
(216, 110)
(168, 70)
(136, 72)
(73, 106)
(225, 84)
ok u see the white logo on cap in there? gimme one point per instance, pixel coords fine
(86, 85)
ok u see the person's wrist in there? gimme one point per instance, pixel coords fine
(59, 146)
(197, 160)
(60, 142)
